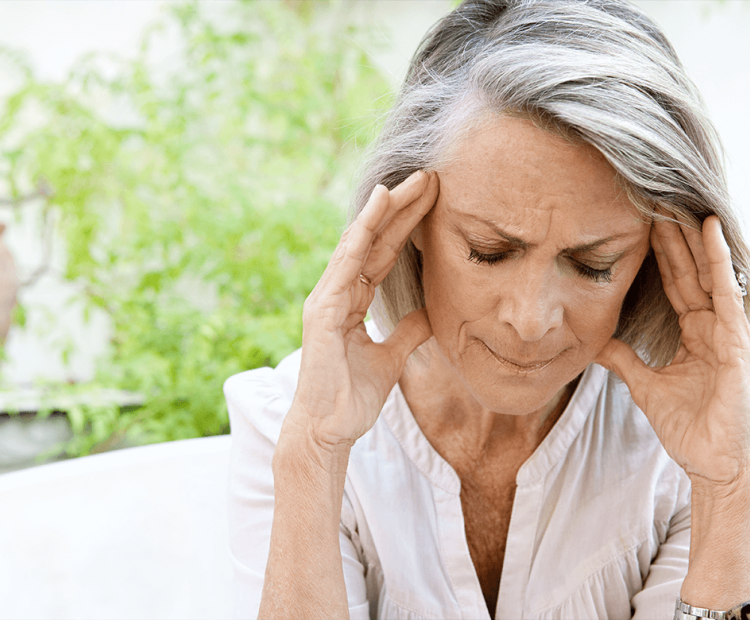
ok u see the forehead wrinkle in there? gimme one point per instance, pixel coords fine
(497, 230)
(516, 241)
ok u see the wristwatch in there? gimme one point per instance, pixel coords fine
(683, 611)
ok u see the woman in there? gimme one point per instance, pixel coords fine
(549, 212)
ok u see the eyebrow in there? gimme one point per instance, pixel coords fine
(582, 247)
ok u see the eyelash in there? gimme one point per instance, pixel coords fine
(596, 275)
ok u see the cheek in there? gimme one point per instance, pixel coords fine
(593, 318)
(455, 289)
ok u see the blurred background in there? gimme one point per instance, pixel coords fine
(175, 175)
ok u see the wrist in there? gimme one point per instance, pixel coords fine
(308, 486)
(708, 493)
(719, 568)
(304, 575)
(300, 455)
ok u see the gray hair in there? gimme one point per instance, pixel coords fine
(595, 71)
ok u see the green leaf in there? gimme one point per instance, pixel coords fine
(201, 219)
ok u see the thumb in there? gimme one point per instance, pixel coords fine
(625, 363)
(411, 331)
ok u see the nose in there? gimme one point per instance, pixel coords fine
(532, 303)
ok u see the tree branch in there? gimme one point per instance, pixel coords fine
(43, 190)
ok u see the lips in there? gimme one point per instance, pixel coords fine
(523, 366)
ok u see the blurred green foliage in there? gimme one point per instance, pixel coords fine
(201, 222)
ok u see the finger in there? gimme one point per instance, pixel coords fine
(727, 298)
(625, 363)
(665, 270)
(684, 271)
(391, 240)
(413, 330)
(376, 214)
(407, 192)
(346, 263)
(694, 239)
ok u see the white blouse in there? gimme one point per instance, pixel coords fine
(600, 526)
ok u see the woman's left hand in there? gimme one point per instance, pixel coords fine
(699, 404)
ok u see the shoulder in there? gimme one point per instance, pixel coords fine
(617, 427)
(623, 425)
(261, 397)
(628, 453)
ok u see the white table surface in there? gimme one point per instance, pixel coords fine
(136, 533)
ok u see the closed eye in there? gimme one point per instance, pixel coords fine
(597, 275)
(490, 259)
(586, 271)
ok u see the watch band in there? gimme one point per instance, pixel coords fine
(683, 611)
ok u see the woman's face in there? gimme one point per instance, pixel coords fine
(527, 257)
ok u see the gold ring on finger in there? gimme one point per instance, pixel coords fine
(365, 280)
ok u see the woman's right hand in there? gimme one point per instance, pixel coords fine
(343, 382)
(345, 377)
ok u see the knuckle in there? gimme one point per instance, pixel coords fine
(338, 253)
(310, 307)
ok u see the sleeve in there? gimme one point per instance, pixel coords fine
(668, 569)
(257, 406)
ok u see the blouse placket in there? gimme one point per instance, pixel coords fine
(527, 503)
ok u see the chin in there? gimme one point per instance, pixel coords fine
(514, 400)
(507, 391)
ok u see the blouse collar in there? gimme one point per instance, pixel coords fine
(553, 448)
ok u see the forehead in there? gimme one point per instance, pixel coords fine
(509, 171)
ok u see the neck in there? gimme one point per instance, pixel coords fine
(454, 421)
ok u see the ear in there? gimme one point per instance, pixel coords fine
(416, 235)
